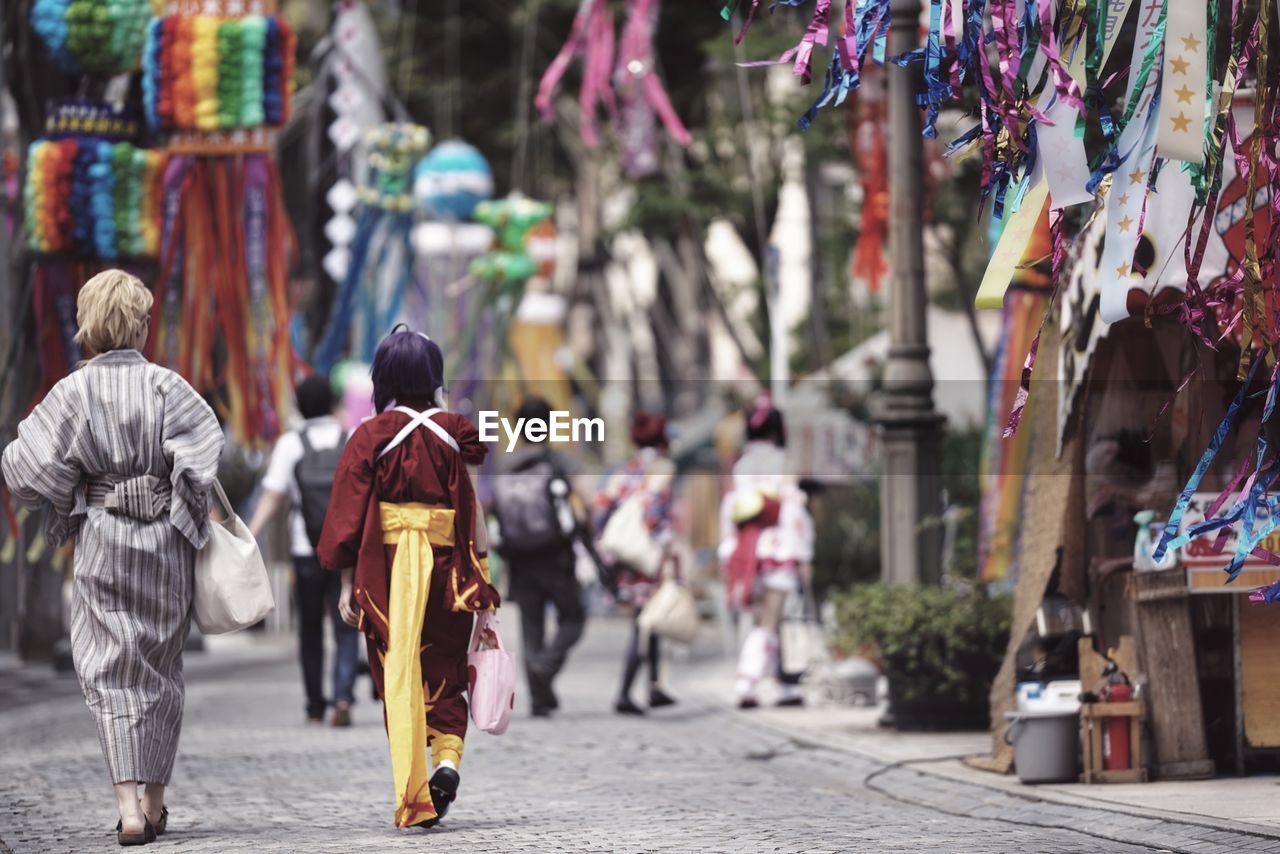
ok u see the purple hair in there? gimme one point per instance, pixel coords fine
(406, 365)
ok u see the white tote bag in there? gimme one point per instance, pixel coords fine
(671, 611)
(801, 639)
(626, 538)
(232, 590)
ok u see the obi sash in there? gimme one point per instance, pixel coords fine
(413, 529)
(743, 565)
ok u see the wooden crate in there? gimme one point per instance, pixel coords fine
(1093, 717)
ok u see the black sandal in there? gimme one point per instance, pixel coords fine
(141, 837)
(163, 824)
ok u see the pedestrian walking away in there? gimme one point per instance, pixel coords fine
(538, 518)
(646, 481)
(766, 547)
(122, 456)
(413, 554)
(300, 474)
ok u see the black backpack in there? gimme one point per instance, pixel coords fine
(527, 509)
(314, 475)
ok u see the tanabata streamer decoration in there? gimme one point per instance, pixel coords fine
(221, 313)
(91, 198)
(867, 121)
(381, 264)
(626, 86)
(102, 37)
(1061, 116)
(504, 271)
(204, 73)
(216, 84)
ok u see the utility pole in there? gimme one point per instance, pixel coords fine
(911, 530)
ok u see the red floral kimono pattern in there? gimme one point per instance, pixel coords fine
(421, 470)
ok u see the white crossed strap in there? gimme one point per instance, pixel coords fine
(420, 419)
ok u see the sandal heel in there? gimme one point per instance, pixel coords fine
(141, 837)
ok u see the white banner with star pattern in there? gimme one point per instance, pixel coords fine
(1125, 202)
(1069, 173)
(1125, 207)
(1183, 110)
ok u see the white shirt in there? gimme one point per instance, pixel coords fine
(323, 433)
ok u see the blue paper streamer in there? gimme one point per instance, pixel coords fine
(1206, 459)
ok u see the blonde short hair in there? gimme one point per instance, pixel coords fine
(112, 311)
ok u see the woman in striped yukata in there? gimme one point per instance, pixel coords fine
(121, 455)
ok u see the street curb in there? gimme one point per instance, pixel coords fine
(1045, 819)
(1099, 812)
(1206, 823)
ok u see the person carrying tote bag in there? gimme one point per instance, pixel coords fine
(633, 512)
(120, 456)
(232, 589)
(627, 539)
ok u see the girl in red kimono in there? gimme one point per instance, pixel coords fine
(403, 529)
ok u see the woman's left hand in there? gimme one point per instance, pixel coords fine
(347, 607)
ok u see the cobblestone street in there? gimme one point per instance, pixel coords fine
(252, 777)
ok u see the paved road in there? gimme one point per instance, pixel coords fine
(700, 778)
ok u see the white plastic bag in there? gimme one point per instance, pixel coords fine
(491, 677)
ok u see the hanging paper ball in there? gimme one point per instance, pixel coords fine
(103, 37)
(452, 179)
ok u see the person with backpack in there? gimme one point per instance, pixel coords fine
(301, 474)
(537, 519)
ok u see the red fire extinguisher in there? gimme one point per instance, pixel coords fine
(1115, 735)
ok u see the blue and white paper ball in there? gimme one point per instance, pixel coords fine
(452, 179)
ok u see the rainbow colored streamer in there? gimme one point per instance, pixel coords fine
(92, 198)
(221, 308)
(202, 73)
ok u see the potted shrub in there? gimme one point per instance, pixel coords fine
(940, 648)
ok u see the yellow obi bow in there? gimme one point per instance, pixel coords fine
(413, 529)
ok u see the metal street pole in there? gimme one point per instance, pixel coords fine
(910, 428)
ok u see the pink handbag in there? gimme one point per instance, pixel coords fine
(491, 675)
